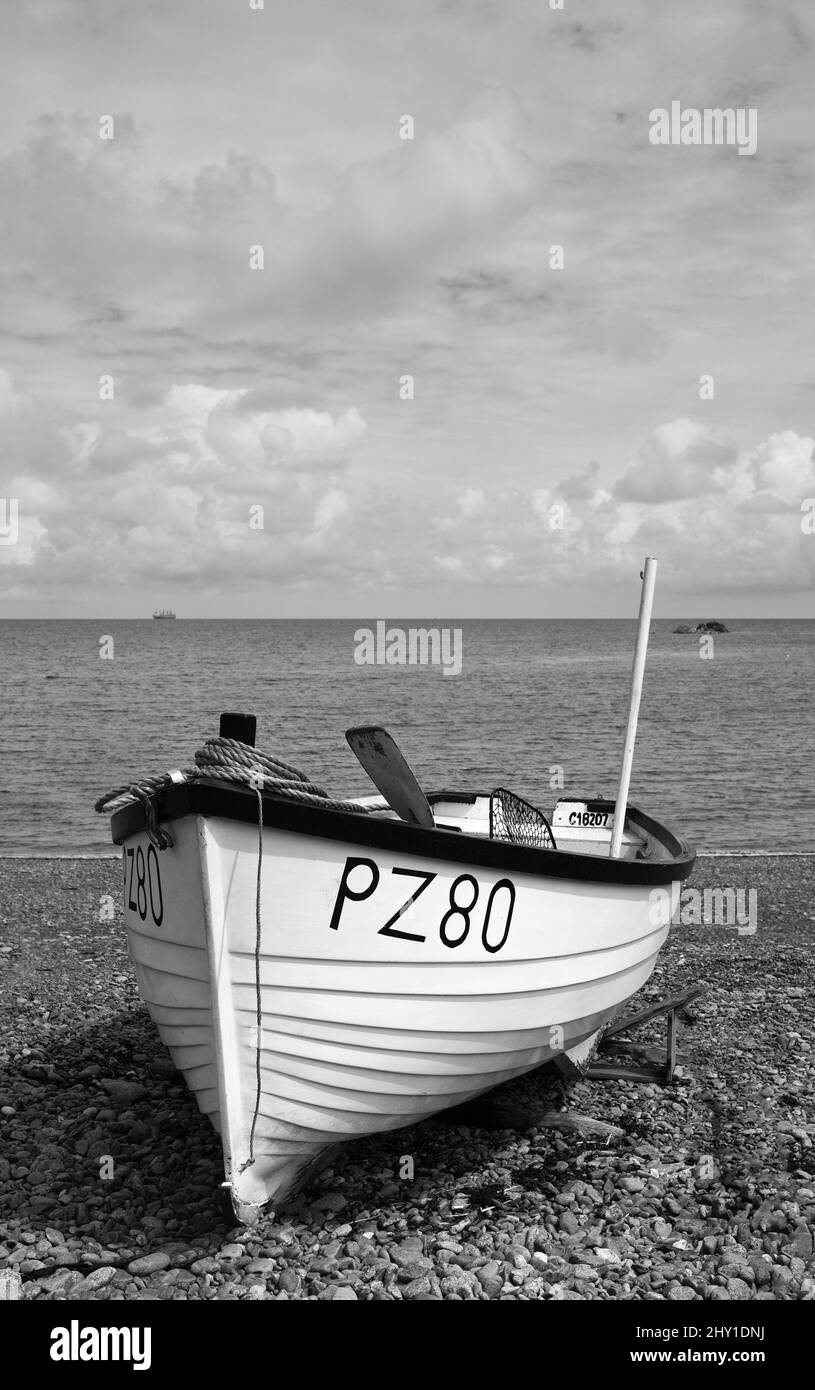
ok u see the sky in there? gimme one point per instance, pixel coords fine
(411, 407)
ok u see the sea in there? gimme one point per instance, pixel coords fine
(724, 748)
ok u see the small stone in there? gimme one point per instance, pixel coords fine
(410, 1249)
(459, 1283)
(762, 1269)
(633, 1184)
(261, 1265)
(568, 1223)
(288, 1281)
(61, 1281)
(99, 1277)
(417, 1288)
(149, 1264)
(738, 1289)
(414, 1270)
(329, 1201)
(63, 1255)
(123, 1092)
(801, 1243)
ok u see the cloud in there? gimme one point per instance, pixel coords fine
(472, 502)
(535, 388)
(115, 503)
(85, 229)
(331, 507)
(680, 459)
(584, 486)
(451, 564)
(784, 464)
(119, 504)
(711, 520)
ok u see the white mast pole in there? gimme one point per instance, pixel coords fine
(649, 576)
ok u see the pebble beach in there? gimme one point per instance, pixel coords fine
(704, 1190)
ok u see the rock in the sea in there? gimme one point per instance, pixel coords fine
(709, 626)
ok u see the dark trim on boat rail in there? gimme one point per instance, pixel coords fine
(212, 798)
(466, 798)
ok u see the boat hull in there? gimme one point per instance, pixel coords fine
(351, 988)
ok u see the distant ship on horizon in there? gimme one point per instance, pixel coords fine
(164, 613)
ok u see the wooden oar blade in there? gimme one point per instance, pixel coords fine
(389, 772)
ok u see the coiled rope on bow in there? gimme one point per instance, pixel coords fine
(229, 760)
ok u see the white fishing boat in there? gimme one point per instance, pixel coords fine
(323, 970)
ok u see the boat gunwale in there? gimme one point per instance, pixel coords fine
(211, 798)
